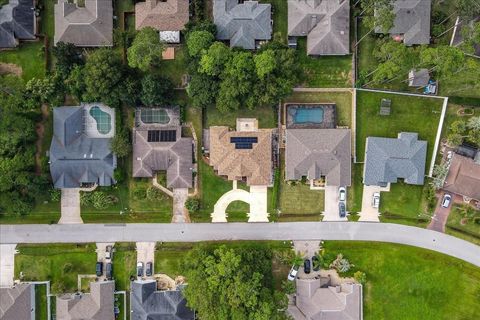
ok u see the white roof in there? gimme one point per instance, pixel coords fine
(170, 36)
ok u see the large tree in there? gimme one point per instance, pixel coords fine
(146, 49)
(378, 14)
(226, 283)
(198, 42)
(156, 90)
(67, 56)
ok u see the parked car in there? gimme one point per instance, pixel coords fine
(108, 253)
(315, 263)
(447, 199)
(293, 273)
(376, 200)
(342, 194)
(139, 269)
(149, 269)
(99, 269)
(109, 271)
(307, 266)
(342, 211)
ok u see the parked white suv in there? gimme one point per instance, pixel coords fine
(293, 273)
(376, 200)
(446, 200)
(342, 194)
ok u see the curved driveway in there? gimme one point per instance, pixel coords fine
(360, 231)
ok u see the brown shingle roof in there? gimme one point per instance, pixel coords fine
(171, 15)
(255, 164)
(463, 177)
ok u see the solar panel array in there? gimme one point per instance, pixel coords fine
(162, 136)
(243, 142)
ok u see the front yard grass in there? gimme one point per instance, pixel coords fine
(124, 265)
(469, 228)
(266, 115)
(355, 191)
(412, 283)
(168, 258)
(404, 200)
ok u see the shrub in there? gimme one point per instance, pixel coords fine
(192, 204)
(154, 194)
(360, 277)
(55, 194)
(289, 287)
(341, 264)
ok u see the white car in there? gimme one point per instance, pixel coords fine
(342, 194)
(446, 200)
(376, 200)
(293, 273)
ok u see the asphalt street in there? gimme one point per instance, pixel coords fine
(193, 232)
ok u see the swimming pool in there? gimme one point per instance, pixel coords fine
(103, 119)
(149, 116)
(310, 115)
(304, 115)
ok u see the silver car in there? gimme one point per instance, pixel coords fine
(376, 200)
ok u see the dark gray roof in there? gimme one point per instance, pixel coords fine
(412, 20)
(17, 22)
(76, 155)
(148, 304)
(319, 152)
(387, 159)
(17, 302)
(326, 24)
(176, 157)
(418, 78)
(89, 26)
(243, 23)
(457, 37)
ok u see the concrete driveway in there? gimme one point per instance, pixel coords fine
(180, 214)
(7, 263)
(101, 251)
(440, 216)
(331, 205)
(306, 248)
(70, 206)
(146, 253)
(368, 212)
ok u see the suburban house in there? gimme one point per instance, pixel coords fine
(17, 22)
(457, 37)
(147, 303)
(418, 78)
(80, 150)
(167, 16)
(325, 23)
(317, 299)
(243, 154)
(388, 159)
(17, 302)
(96, 305)
(412, 22)
(243, 23)
(319, 154)
(158, 145)
(87, 23)
(464, 177)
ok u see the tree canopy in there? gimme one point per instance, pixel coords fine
(146, 49)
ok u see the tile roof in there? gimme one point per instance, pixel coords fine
(387, 159)
(89, 26)
(176, 157)
(76, 155)
(17, 302)
(169, 15)
(146, 303)
(319, 152)
(96, 305)
(326, 24)
(463, 177)
(17, 22)
(242, 23)
(412, 19)
(255, 164)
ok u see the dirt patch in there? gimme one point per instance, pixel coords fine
(10, 68)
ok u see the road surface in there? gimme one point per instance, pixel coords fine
(360, 231)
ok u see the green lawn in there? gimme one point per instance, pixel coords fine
(403, 200)
(29, 56)
(462, 84)
(176, 68)
(55, 262)
(124, 265)
(355, 192)
(343, 100)
(120, 7)
(468, 227)
(280, 21)
(168, 258)
(266, 115)
(41, 301)
(366, 61)
(411, 283)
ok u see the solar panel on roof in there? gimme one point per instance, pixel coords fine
(243, 139)
(162, 136)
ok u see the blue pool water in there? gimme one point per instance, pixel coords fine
(308, 115)
(104, 121)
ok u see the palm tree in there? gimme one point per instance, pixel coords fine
(297, 259)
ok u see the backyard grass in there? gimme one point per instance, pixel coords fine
(29, 56)
(176, 68)
(120, 7)
(266, 115)
(411, 283)
(343, 100)
(280, 21)
(41, 301)
(55, 262)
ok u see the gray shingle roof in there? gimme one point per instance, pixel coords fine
(76, 155)
(418, 78)
(17, 302)
(17, 22)
(242, 24)
(96, 305)
(89, 26)
(175, 157)
(387, 159)
(148, 304)
(319, 152)
(326, 24)
(412, 20)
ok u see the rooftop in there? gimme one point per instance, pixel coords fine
(167, 15)
(242, 23)
(17, 22)
(463, 177)
(18, 302)
(418, 78)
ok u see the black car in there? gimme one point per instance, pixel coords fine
(149, 269)
(99, 269)
(307, 266)
(341, 209)
(316, 264)
(109, 271)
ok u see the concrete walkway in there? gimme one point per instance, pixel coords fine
(70, 206)
(368, 212)
(7, 264)
(180, 213)
(331, 212)
(193, 232)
